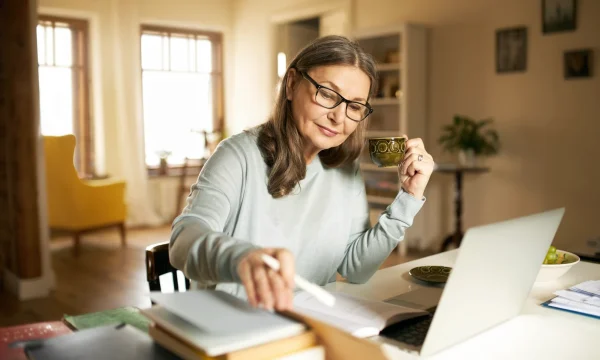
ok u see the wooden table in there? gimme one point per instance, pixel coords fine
(458, 171)
(537, 333)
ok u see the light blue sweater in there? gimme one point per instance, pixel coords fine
(324, 222)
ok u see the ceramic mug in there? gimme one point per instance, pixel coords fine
(387, 151)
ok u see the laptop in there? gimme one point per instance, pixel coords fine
(494, 272)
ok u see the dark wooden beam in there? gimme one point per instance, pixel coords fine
(19, 138)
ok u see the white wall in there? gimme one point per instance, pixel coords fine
(543, 119)
(295, 36)
(255, 64)
(548, 126)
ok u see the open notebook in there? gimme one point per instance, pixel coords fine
(358, 316)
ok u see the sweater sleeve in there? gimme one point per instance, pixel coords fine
(198, 245)
(368, 246)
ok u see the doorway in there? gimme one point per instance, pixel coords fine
(292, 37)
(296, 28)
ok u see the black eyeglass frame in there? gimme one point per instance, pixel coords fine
(342, 99)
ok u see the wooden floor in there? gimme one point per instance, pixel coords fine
(103, 276)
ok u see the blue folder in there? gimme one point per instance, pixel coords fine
(547, 304)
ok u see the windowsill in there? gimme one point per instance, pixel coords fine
(94, 177)
(176, 170)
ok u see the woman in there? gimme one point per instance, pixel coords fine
(291, 188)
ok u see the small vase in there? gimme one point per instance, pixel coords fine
(467, 158)
(163, 166)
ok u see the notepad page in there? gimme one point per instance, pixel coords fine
(579, 297)
(572, 308)
(588, 309)
(345, 324)
(591, 287)
(356, 315)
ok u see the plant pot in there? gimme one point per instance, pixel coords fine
(467, 158)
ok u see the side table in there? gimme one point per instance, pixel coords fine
(458, 171)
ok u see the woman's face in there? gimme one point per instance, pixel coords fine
(320, 127)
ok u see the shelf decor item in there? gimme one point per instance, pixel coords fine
(400, 108)
(400, 103)
(511, 50)
(559, 16)
(578, 64)
(471, 139)
(163, 167)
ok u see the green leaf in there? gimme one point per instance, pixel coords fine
(483, 123)
(466, 133)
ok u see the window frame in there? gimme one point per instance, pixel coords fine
(82, 126)
(216, 39)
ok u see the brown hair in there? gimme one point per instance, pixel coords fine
(279, 140)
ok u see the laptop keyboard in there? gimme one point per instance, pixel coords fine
(412, 331)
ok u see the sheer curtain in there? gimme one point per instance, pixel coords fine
(125, 144)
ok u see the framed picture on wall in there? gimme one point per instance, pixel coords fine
(559, 15)
(578, 64)
(511, 50)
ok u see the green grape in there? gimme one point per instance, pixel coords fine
(552, 249)
(551, 258)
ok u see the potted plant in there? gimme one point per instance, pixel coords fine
(470, 138)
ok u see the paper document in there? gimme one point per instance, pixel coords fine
(588, 309)
(358, 316)
(591, 287)
(583, 298)
(579, 297)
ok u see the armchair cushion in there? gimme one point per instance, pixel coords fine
(74, 204)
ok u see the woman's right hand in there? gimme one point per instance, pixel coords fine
(265, 286)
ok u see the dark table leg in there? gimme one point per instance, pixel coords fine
(456, 237)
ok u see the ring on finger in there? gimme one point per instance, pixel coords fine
(420, 157)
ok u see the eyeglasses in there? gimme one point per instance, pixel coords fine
(329, 99)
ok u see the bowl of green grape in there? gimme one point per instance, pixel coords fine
(556, 264)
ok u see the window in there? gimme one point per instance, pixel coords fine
(63, 84)
(182, 92)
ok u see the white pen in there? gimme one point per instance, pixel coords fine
(315, 290)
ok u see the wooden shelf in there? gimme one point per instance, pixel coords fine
(385, 101)
(380, 200)
(388, 67)
(384, 133)
(373, 167)
(401, 54)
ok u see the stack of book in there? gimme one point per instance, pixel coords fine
(208, 324)
(216, 325)
(11, 336)
(582, 299)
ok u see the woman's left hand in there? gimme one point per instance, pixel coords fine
(416, 169)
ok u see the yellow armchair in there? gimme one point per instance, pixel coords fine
(79, 206)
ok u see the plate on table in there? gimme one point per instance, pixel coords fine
(431, 274)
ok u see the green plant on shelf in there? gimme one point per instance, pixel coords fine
(466, 134)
